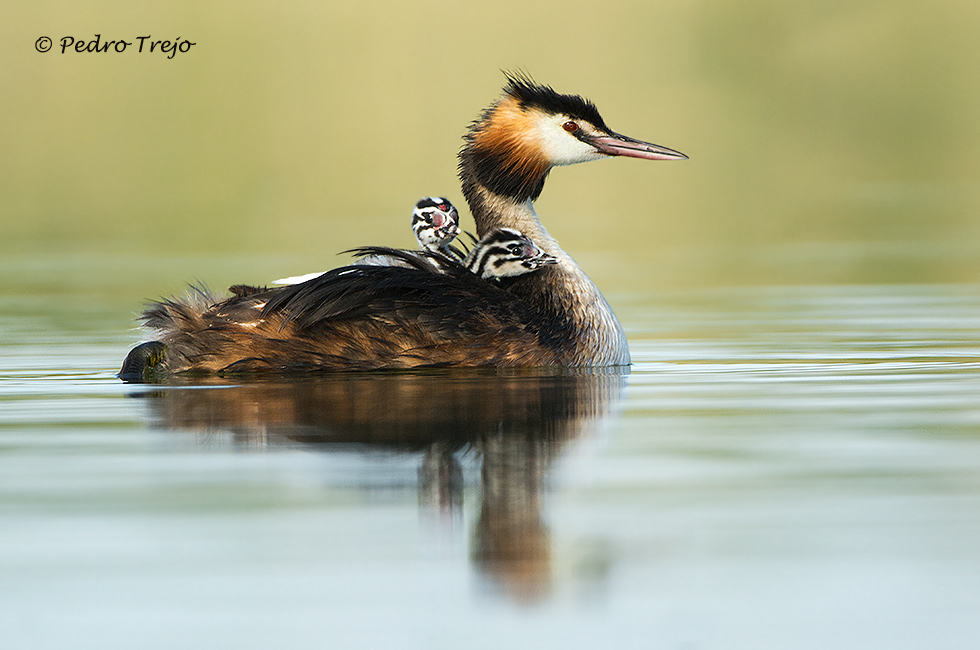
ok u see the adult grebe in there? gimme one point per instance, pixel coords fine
(372, 317)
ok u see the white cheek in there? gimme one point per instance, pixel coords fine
(561, 147)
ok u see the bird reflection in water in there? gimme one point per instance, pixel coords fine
(516, 423)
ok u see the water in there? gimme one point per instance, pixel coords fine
(783, 468)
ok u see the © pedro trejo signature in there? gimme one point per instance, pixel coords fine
(140, 44)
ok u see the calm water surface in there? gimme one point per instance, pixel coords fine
(783, 468)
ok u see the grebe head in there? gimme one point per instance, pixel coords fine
(532, 128)
(435, 222)
(506, 252)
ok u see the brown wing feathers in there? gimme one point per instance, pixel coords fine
(354, 317)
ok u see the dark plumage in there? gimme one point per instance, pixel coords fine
(356, 318)
(545, 98)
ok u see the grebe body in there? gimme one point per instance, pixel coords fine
(373, 317)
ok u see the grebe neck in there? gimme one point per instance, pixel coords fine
(579, 320)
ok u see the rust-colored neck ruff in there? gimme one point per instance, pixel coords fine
(502, 153)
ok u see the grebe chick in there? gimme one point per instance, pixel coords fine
(373, 317)
(506, 253)
(435, 222)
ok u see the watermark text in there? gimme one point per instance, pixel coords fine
(98, 45)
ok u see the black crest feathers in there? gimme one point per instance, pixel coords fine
(521, 87)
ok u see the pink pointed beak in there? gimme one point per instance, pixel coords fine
(438, 219)
(614, 144)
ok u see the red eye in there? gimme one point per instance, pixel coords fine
(570, 126)
(443, 207)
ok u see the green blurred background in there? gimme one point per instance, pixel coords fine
(829, 142)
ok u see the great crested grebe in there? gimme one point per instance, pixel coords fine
(374, 317)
